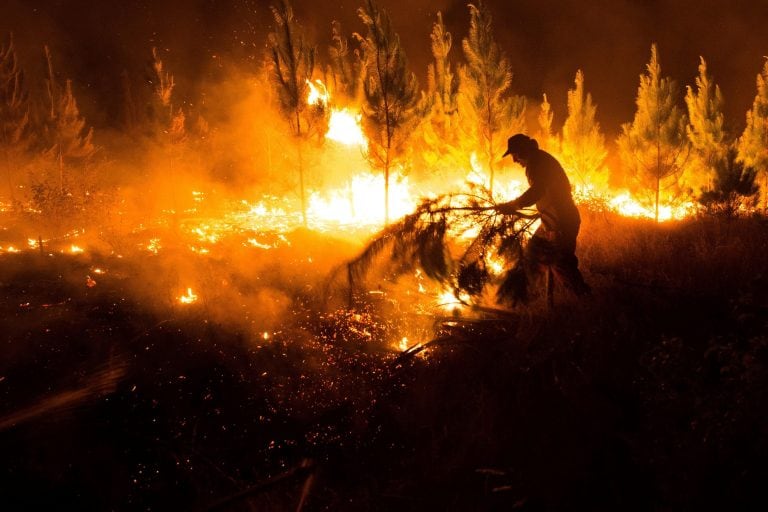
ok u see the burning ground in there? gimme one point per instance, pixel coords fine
(649, 394)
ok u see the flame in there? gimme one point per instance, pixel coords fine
(448, 302)
(318, 94)
(627, 206)
(189, 297)
(362, 202)
(74, 249)
(344, 127)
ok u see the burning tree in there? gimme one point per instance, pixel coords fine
(15, 138)
(753, 143)
(485, 85)
(293, 63)
(654, 146)
(69, 147)
(391, 94)
(583, 150)
(705, 126)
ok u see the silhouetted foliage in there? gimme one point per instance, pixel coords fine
(427, 239)
(15, 136)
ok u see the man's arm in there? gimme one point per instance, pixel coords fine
(527, 198)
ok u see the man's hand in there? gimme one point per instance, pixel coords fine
(508, 208)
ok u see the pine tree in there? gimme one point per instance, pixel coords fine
(390, 92)
(705, 128)
(293, 63)
(583, 149)
(68, 148)
(545, 136)
(485, 87)
(654, 147)
(70, 143)
(443, 84)
(15, 137)
(753, 143)
(733, 185)
(344, 70)
(439, 131)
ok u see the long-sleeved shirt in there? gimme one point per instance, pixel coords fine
(550, 190)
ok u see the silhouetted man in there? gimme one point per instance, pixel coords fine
(554, 243)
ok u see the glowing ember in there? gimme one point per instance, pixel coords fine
(403, 345)
(189, 298)
(265, 336)
(74, 249)
(154, 245)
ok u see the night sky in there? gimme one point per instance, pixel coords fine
(93, 42)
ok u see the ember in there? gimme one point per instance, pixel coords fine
(188, 298)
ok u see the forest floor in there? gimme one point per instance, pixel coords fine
(651, 394)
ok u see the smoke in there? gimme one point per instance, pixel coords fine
(546, 41)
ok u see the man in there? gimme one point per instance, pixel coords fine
(554, 243)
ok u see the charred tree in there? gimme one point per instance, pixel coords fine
(654, 147)
(485, 89)
(390, 94)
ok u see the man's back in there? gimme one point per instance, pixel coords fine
(553, 198)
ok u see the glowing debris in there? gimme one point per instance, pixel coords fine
(189, 298)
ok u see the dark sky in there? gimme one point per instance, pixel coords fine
(545, 40)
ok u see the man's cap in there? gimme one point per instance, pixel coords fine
(520, 144)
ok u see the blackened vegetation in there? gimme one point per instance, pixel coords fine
(427, 240)
(650, 395)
